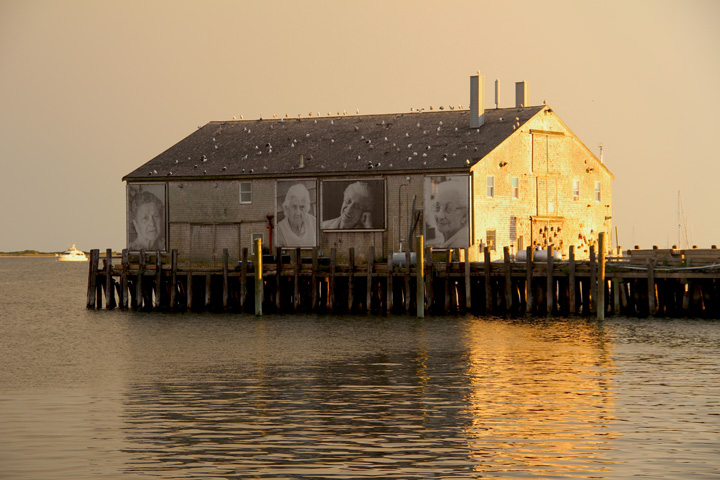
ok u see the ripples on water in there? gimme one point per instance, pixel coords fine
(119, 394)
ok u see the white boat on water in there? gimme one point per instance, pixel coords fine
(72, 255)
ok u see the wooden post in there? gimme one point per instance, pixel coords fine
(389, 285)
(351, 279)
(243, 278)
(158, 278)
(508, 279)
(124, 280)
(601, 277)
(92, 277)
(429, 282)
(488, 282)
(448, 270)
(550, 281)
(652, 301)
(109, 290)
(225, 259)
(189, 290)
(468, 293)
(258, 277)
(278, 271)
(420, 279)
(139, 291)
(592, 297)
(368, 292)
(314, 288)
(616, 295)
(173, 277)
(571, 280)
(407, 282)
(208, 290)
(331, 284)
(529, 298)
(296, 286)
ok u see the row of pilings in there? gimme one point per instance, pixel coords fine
(290, 282)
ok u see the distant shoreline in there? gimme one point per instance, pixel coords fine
(20, 254)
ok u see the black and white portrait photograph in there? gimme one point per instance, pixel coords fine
(296, 213)
(447, 215)
(146, 227)
(353, 205)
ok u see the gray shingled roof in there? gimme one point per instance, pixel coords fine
(436, 140)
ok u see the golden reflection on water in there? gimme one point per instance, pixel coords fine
(541, 400)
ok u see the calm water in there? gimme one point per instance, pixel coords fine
(98, 394)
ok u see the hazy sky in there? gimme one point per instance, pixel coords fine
(90, 90)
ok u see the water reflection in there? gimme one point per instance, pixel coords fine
(391, 398)
(541, 401)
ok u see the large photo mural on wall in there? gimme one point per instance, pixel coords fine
(296, 213)
(447, 213)
(353, 205)
(146, 225)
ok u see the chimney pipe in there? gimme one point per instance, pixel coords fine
(477, 101)
(497, 93)
(301, 161)
(521, 94)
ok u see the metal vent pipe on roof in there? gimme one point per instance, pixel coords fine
(521, 94)
(301, 161)
(497, 93)
(477, 101)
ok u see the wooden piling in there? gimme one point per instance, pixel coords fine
(550, 281)
(296, 279)
(572, 293)
(92, 277)
(124, 280)
(173, 277)
(109, 290)
(652, 301)
(529, 297)
(158, 279)
(314, 287)
(508, 279)
(225, 292)
(351, 279)
(258, 277)
(331, 283)
(448, 271)
(468, 293)
(601, 277)
(243, 277)
(488, 281)
(139, 291)
(278, 277)
(189, 290)
(369, 278)
(420, 279)
(407, 282)
(208, 291)
(592, 291)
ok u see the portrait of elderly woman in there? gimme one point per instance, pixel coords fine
(446, 212)
(146, 217)
(296, 225)
(353, 205)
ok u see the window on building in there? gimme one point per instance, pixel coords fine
(515, 187)
(491, 187)
(490, 237)
(245, 192)
(576, 190)
(598, 192)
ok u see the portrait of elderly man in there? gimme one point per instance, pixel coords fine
(298, 226)
(147, 219)
(448, 208)
(355, 211)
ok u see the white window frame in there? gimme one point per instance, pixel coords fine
(490, 186)
(576, 190)
(515, 186)
(598, 191)
(247, 191)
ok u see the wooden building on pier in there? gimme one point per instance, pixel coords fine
(462, 178)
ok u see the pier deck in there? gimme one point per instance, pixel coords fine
(642, 282)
